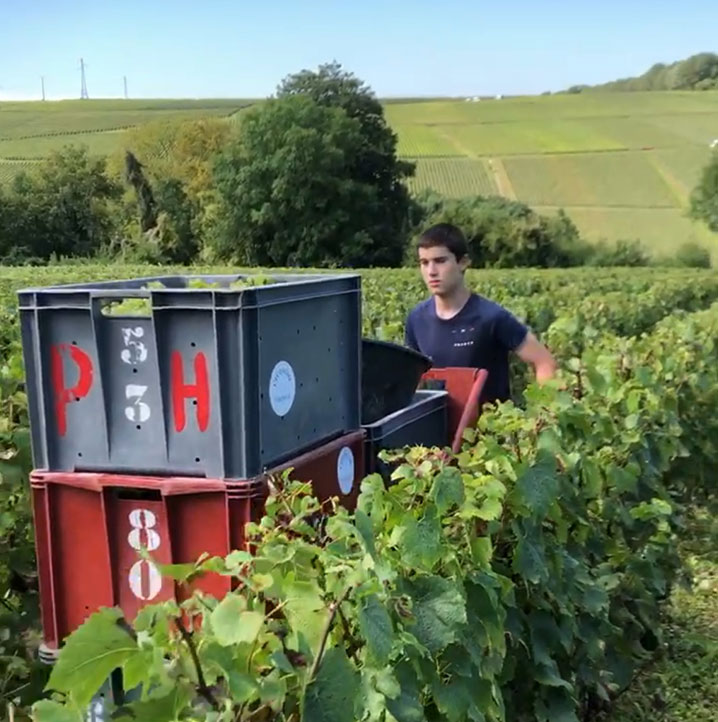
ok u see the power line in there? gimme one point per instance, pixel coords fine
(83, 89)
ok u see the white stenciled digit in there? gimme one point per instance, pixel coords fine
(144, 578)
(139, 411)
(136, 351)
(142, 520)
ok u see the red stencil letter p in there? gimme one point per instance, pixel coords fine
(66, 394)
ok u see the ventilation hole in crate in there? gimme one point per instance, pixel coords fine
(74, 343)
(317, 379)
(194, 402)
(301, 384)
(193, 344)
(261, 395)
(79, 453)
(137, 494)
(138, 427)
(298, 332)
(134, 371)
(78, 398)
(314, 328)
(197, 459)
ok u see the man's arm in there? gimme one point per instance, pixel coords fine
(532, 351)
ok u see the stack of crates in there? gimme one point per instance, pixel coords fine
(158, 430)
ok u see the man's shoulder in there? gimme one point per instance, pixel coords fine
(422, 309)
(485, 307)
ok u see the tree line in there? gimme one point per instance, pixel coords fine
(309, 177)
(698, 72)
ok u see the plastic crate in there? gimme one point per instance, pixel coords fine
(216, 383)
(390, 376)
(89, 528)
(464, 386)
(422, 423)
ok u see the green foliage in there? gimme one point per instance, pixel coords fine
(313, 179)
(692, 255)
(419, 605)
(521, 579)
(21, 676)
(375, 163)
(503, 233)
(620, 253)
(63, 208)
(704, 199)
(292, 152)
(698, 72)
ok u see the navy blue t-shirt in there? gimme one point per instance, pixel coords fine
(480, 335)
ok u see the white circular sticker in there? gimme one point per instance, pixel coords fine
(345, 470)
(282, 388)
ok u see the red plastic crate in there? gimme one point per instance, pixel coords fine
(464, 386)
(90, 527)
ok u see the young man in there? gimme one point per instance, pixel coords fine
(456, 327)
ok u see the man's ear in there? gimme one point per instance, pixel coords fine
(465, 262)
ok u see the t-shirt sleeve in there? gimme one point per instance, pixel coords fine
(409, 335)
(509, 331)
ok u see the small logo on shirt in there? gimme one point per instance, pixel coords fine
(462, 333)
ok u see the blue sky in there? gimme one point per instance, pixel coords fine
(213, 48)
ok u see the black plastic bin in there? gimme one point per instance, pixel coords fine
(218, 381)
(423, 422)
(390, 376)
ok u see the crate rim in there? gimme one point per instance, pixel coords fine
(429, 395)
(111, 287)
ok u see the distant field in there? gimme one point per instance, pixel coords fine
(454, 177)
(32, 130)
(665, 227)
(622, 165)
(8, 169)
(20, 119)
(599, 179)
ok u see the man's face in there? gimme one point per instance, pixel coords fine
(441, 272)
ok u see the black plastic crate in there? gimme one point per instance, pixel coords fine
(220, 382)
(422, 423)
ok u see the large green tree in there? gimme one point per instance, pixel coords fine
(376, 163)
(287, 195)
(313, 178)
(704, 199)
(66, 207)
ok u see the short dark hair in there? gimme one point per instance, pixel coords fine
(445, 234)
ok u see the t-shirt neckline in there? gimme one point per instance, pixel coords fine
(471, 297)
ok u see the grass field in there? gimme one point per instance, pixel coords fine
(455, 177)
(30, 131)
(613, 180)
(622, 165)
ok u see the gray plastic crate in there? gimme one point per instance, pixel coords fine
(422, 423)
(214, 382)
